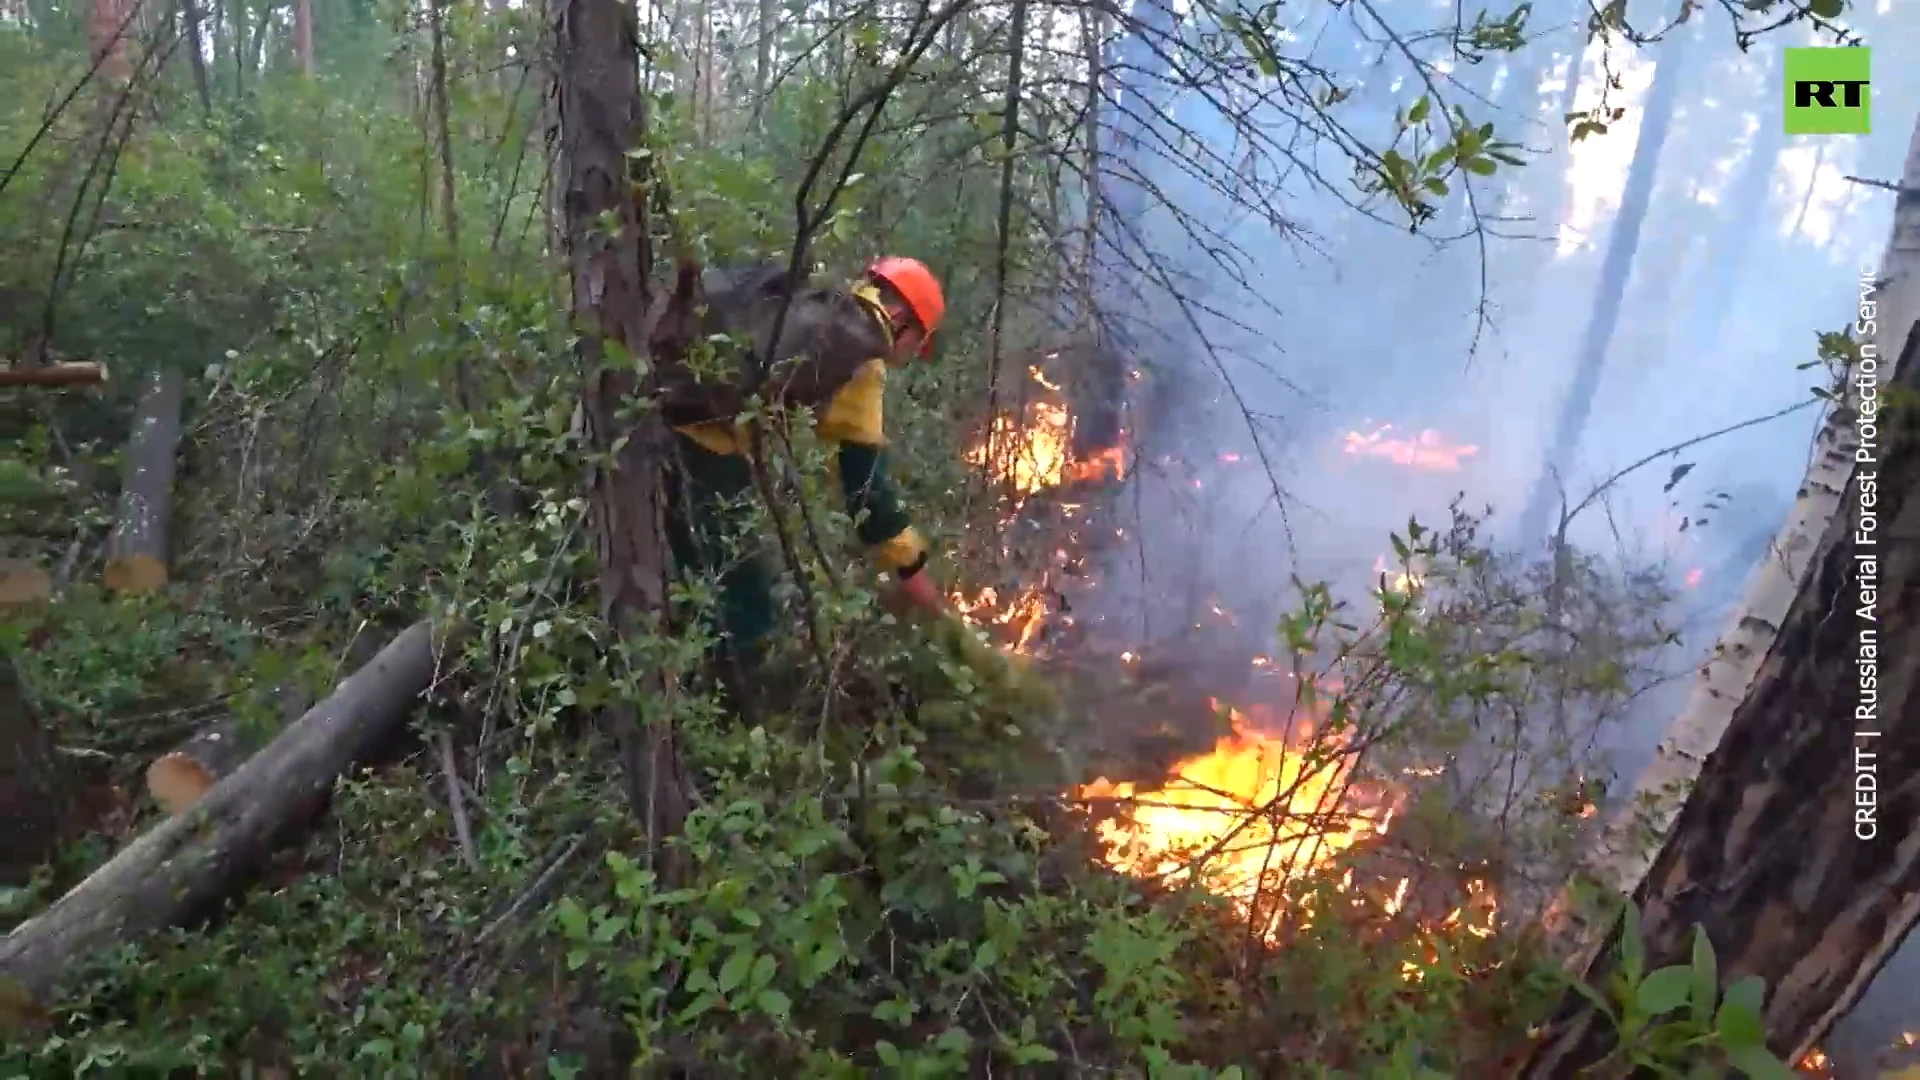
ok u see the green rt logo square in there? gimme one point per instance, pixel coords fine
(1826, 91)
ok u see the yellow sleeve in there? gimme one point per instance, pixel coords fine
(857, 414)
(906, 548)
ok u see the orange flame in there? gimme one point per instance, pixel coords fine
(1259, 808)
(1429, 450)
(1036, 455)
(1304, 821)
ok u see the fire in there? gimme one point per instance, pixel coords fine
(1304, 815)
(1395, 579)
(1033, 456)
(1815, 1063)
(1428, 450)
(1023, 616)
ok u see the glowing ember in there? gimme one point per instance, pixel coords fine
(1393, 578)
(1428, 450)
(1693, 578)
(1815, 1063)
(1304, 818)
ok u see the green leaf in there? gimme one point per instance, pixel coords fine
(701, 1004)
(1757, 1063)
(734, 971)
(763, 970)
(1633, 951)
(774, 1003)
(1738, 1026)
(1706, 976)
(1827, 9)
(1749, 994)
(985, 955)
(1664, 991)
(1419, 111)
(1481, 166)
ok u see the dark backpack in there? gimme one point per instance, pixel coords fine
(827, 337)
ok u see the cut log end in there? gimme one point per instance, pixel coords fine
(23, 583)
(176, 781)
(178, 778)
(137, 574)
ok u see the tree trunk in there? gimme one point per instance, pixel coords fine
(303, 36)
(60, 374)
(600, 119)
(768, 25)
(218, 49)
(186, 863)
(137, 550)
(109, 23)
(1536, 520)
(1798, 847)
(34, 788)
(196, 60)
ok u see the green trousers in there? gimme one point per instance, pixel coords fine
(708, 504)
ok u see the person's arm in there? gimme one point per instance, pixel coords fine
(881, 522)
(855, 421)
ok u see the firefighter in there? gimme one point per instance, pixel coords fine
(714, 478)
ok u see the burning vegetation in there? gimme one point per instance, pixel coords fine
(1276, 803)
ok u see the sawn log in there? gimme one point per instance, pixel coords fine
(181, 866)
(62, 374)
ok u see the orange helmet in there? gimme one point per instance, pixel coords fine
(918, 287)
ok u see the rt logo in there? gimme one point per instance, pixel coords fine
(1826, 91)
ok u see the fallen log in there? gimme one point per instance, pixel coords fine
(178, 778)
(180, 867)
(137, 547)
(75, 373)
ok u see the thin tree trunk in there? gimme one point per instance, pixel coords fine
(600, 119)
(1615, 270)
(186, 863)
(768, 23)
(220, 31)
(197, 60)
(1813, 184)
(303, 37)
(109, 24)
(137, 549)
(449, 208)
(237, 11)
(1093, 30)
(257, 43)
(1772, 755)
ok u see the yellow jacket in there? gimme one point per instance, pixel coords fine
(853, 422)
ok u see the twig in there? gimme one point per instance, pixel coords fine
(566, 850)
(458, 804)
(1883, 185)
